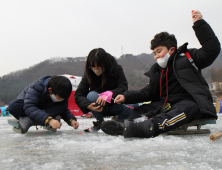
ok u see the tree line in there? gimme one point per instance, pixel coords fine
(134, 67)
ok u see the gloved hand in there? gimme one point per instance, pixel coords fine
(166, 108)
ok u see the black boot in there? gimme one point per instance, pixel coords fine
(95, 128)
(24, 124)
(112, 127)
(143, 129)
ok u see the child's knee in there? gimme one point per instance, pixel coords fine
(92, 96)
(14, 106)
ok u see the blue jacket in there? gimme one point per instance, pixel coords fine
(36, 101)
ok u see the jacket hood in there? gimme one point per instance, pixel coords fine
(44, 80)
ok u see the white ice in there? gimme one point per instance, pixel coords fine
(76, 149)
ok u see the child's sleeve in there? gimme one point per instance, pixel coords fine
(32, 98)
(67, 116)
(210, 49)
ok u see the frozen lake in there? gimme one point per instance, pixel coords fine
(76, 149)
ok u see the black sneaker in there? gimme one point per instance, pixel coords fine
(112, 127)
(95, 128)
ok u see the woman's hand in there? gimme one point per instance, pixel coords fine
(119, 99)
(94, 108)
(100, 101)
(196, 15)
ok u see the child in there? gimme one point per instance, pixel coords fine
(42, 102)
(102, 73)
(178, 91)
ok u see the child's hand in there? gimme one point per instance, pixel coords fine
(119, 99)
(94, 108)
(55, 124)
(74, 124)
(100, 101)
(196, 15)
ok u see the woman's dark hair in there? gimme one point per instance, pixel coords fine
(163, 39)
(60, 85)
(99, 57)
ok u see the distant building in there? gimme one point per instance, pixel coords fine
(215, 86)
(216, 90)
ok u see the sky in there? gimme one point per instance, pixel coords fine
(32, 31)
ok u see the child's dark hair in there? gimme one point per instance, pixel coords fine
(61, 86)
(163, 39)
(100, 57)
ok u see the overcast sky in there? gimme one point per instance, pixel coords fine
(32, 31)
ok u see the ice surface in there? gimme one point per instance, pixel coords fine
(75, 149)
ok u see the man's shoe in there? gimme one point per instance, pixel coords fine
(143, 129)
(94, 128)
(24, 123)
(112, 127)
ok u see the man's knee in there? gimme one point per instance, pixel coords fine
(15, 108)
(92, 96)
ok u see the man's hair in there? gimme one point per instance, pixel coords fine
(61, 86)
(163, 39)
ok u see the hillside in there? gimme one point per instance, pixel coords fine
(134, 67)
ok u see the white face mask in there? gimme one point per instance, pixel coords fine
(54, 99)
(163, 61)
(98, 72)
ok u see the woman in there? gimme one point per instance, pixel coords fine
(102, 73)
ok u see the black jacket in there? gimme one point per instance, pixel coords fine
(116, 82)
(186, 74)
(36, 100)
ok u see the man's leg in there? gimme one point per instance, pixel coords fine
(15, 108)
(24, 122)
(139, 111)
(116, 128)
(181, 113)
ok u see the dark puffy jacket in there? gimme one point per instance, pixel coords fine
(36, 100)
(116, 82)
(186, 74)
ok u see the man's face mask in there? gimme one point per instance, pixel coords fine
(163, 61)
(98, 72)
(54, 99)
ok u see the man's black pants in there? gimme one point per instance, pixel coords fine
(181, 113)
